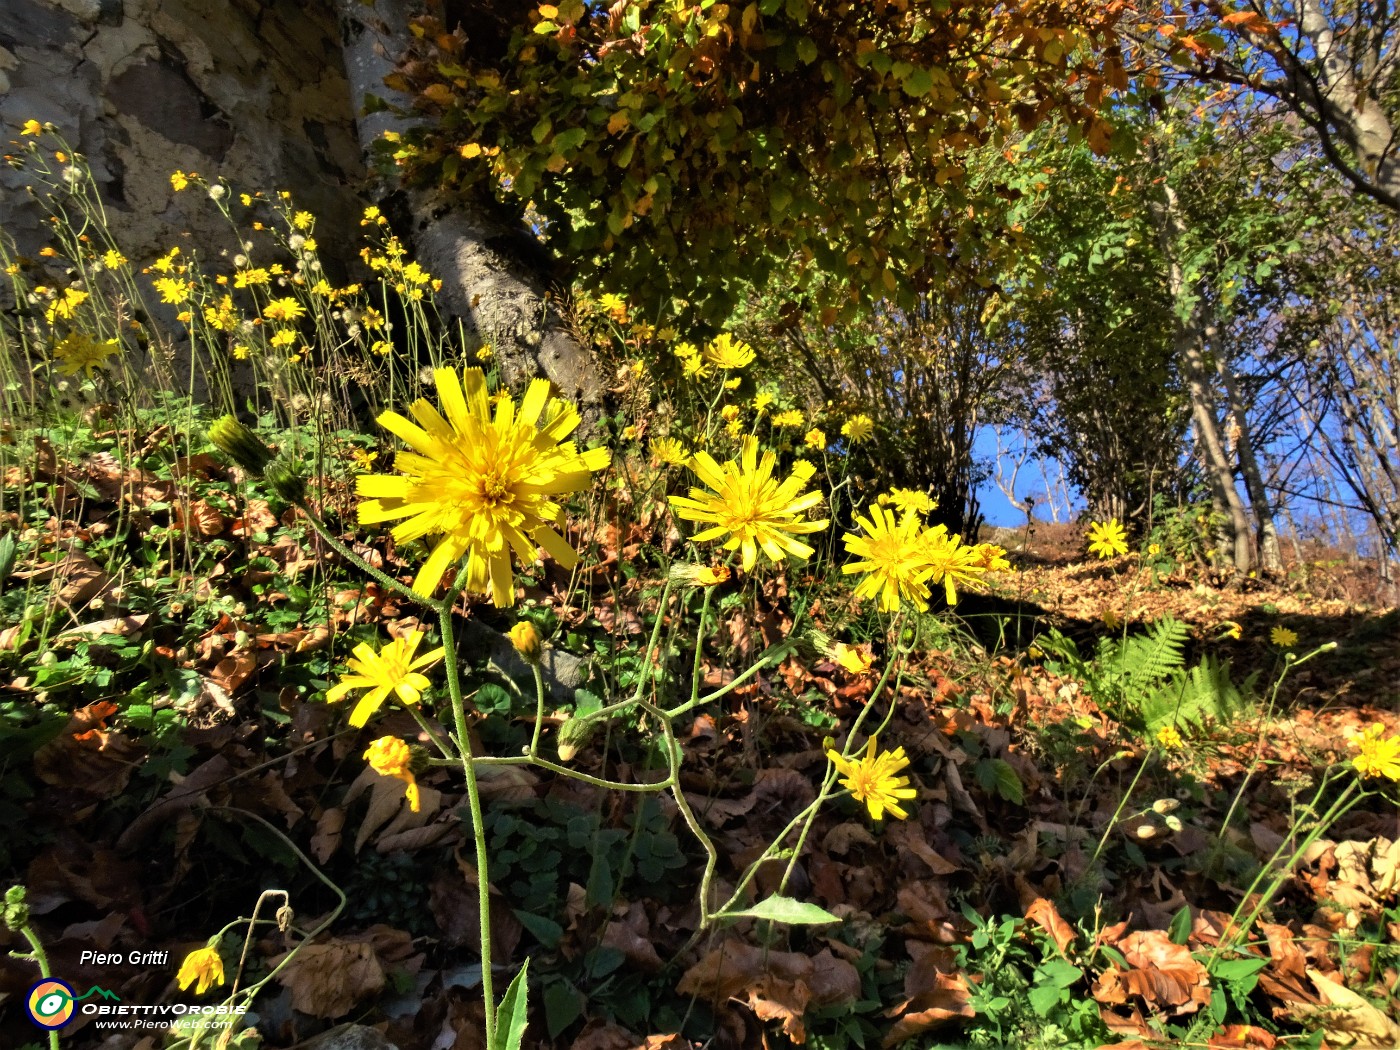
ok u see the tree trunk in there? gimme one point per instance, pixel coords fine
(1270, 557)
(1189, 342)
(488, 278)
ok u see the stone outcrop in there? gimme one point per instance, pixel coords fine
(251, 91)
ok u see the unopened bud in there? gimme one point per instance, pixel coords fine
(1165, 805)
(16, 909)
(1145, 831)
(526, 641)
(240, 444)
(285, 480)
(574, 735)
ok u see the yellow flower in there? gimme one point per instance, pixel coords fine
(729, 413)
(1111, 620)
(614, 306)
(815, 439)
(894, 557)
(65, 307)
(223, 316)
(241, 352)
(858, 428)
(726, 352)
(950, 560)
(873, 780)
(991, 557)
(283, 337)
(761, 402)
(79, 352)
(203, 965)
(287, 309)
(695, 368)
(1170, 739)
(751, 506)
(1377, 755)
(1232, 629)
(391, 757)
(1283, 637)
(166, 262)
(371, 214)
(670, 451)
(178, 181)
(303, 220)
(484, 483)
(364, 460)
(48, 252)
(791, 418)
(1154, 549)
(249, 278)
(394, 669)
(32, 128)
(851, 658)
(173, 290)
(484, 353)
(732, 384)
(699, 575)
(113, 259)
(909, 500)
(1107, 538)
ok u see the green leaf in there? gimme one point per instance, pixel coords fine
(511, 1017)
(1180, 929)
(562, 1006)
(994, 774)
(546, 931)
(544, 28)
(918, 83)
(806, 50)
(785, 909)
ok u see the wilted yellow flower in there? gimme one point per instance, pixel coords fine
(726, 352)
(815, 439)
(670, 451)
(79, 352)
(750, 507)
(32, 128)
(858, 428)
(1108, 538)
(894, 558)
(1283, 637)
(394, 669)
(1377, 754)
(852, 658)
(699, 575)
(729, 413)
(178, 181)
(484, 483)
(391, 757)
(203, 965)
(873, 779)
(1170, 739)
(791, 418)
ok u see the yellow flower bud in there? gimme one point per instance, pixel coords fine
(526, 641)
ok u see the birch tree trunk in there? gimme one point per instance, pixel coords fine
(1270, 557)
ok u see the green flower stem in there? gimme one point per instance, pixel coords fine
(1288, 665)
(1237, 931)
(539, 708)
(483, 878)
(37, 953)
(776, 654)
(1122, 805)
(432, 734)
(345, 552)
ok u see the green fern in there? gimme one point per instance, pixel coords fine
(1206, 692)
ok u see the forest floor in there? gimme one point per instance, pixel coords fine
(1064, 879)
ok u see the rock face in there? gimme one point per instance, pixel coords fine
(249, 90)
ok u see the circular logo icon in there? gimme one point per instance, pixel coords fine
(50, 1004)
